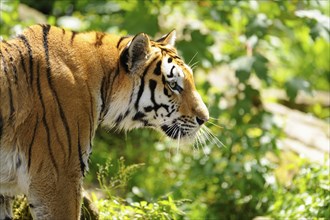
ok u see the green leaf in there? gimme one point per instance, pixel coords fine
(243, 66)
(294, 85)
(261, 69)
(258, 25)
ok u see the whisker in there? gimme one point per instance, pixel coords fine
(204, 138)
(179, 136)
(175, 131)
(194, 65)
(216, 125)
(197, 142)
(202, 143)
(167, 130)
(192, 58)
(171, 129)
(216, 119)
(199, 139)
(214, 139)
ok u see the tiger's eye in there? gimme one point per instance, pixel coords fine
(169, 60)
(172, 84)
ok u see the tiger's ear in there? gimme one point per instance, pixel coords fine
(137, 52)
(168, 38)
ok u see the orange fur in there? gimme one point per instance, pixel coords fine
(57, 86)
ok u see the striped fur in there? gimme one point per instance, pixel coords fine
(58, 86)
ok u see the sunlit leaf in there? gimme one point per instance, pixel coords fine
(294, 85)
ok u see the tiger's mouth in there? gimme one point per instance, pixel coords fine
(176, 131)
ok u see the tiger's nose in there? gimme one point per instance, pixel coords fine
(202, 114)
(201, 121)
(199, 109)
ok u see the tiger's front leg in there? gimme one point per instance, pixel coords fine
(53, 198)
(6, 207)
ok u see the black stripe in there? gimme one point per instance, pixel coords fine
(163, 80)
(91, 129)
(120, 40)
(152, 87)
(167, 92)
(121, 117)
(4, 64)
(141, 88)
(116, 74)
(171, 73)
(44, 121)
(170, 113)
(179, 88)
(31, 143)
(58, 137)
(12, 65)
(139, 116)
(170, 51)
(22, 58)
(14, 70)
(45, 29)
(81, 161)
(5, 42)
(91, 116)
(148, 108)
(98, 39)
(106, 91)
(73, 36)
(103, 92)
(157, 70)
(10, 93)
(11, 104)
(52, 158)
(27, 45)
(63, 31)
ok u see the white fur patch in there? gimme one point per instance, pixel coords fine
(173, 72)
(14, 178)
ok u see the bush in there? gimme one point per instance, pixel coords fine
(308, 196)
(115, 177)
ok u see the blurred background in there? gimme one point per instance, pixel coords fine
(262, 67)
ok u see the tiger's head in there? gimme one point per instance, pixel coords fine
(163, 94)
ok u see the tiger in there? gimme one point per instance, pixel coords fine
(58, 86)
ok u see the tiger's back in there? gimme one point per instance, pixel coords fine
(58, 86)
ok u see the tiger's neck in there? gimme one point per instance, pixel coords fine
(111, 88)
(116, 87)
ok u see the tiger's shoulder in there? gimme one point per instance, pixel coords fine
(43, 59)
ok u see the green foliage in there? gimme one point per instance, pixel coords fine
(8, 17)
(118, 209)
(307, 197)
(296, 84)
(112, 179)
